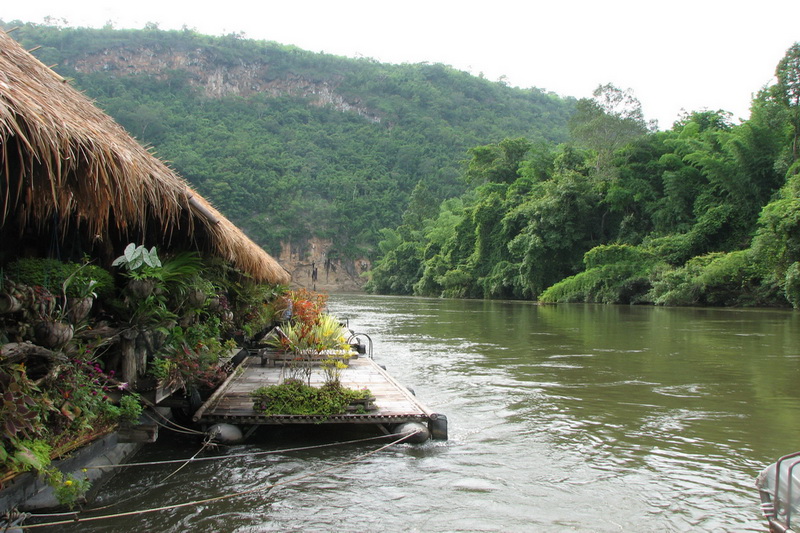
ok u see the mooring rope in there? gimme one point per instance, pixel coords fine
(249, 454)
(205, 445)
(75, 514)
(356, 459)
(194, 458)
(177, 427)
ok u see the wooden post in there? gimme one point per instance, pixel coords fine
(127, 347)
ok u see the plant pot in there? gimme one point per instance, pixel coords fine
(9, 304)
(79, 308)
(362, 405)
(214, 304)
(141, 288)
(52, 333)
(196, 298)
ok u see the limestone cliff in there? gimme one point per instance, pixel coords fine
(218, 79)
(312, 268)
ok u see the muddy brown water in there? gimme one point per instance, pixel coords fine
(561, 418)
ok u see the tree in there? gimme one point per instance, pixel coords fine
(421, 206)
(497, 163)
(788, 74)
(607, 122)
(563, 221)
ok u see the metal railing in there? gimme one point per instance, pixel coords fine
(777, 506)
(356, 337)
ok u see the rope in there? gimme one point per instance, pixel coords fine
(194, 458)
(251, 454)
(205, 445)
(13, 518)
(177, 429)
(182, 429)
(75, 514)
(226, 496)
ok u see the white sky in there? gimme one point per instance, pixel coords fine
(673, 54)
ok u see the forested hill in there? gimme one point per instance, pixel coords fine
(291, 144)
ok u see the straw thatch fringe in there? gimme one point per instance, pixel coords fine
(62, 157)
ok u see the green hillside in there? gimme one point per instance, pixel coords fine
(291, 144)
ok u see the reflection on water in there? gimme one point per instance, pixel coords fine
(576, 417)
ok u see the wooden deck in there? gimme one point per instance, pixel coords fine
(232, 404)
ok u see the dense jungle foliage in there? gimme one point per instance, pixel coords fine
(706, 213)
(273, 159)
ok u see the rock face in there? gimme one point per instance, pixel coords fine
(312, 267)
(217, 78)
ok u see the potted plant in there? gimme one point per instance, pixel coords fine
(58, 316)
(79, 295)
(11, 297)
(322, 339)
(142, 267)
(199, 291)
(51, 330)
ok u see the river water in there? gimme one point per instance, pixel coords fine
(561, 418)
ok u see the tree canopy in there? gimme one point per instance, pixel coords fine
(705, 213)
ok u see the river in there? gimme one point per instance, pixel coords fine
(561, 418)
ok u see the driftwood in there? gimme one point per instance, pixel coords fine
(15, 352)
(40, 363)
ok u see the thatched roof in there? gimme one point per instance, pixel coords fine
(63, 159)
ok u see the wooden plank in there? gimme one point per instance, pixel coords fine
(232, 401)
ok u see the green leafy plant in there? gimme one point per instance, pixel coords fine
(138, 261)
(84, 289)
(191, 355)
(162, 368)
(81, 396)
(57, 276)
(86, 280)
(70, 490)
(293, 397)
(181, 272)
(30, 454)
(320, 342)
(255, 306)
(51, 289)
(302, 338)
(130, 408)
(34, 455)
(333, 369)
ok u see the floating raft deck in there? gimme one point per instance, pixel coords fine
(394, 403)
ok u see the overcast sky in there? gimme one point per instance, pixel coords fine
(674, 55)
